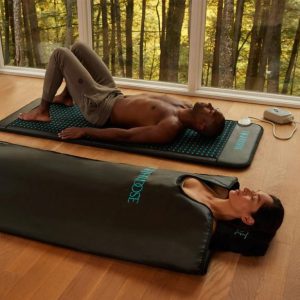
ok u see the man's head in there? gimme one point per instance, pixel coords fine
(207, 120)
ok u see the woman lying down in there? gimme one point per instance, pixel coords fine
(158, 217)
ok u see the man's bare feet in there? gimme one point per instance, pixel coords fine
(37, 114)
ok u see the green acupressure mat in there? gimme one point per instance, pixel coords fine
(235, 147)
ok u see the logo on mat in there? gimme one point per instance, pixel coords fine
(241, 233)
(138, 185)
(241, 141)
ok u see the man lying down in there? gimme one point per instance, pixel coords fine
(157, 217)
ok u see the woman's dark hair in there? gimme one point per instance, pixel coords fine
(253, 239)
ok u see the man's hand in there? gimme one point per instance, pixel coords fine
(72, 133)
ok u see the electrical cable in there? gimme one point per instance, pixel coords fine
(274, 128)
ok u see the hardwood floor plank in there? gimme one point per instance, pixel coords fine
(85, 281)
(56, 281)
(10, 248)
(26, 286)
(291, 284)
(27, 258)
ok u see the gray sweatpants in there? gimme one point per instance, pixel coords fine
(88, 80)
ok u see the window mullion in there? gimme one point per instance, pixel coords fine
(85, 21)
(1, 56)
(197, 33)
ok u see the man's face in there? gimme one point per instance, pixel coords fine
(205, 109)
(205, 113)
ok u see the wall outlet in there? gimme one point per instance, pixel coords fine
(278, 115)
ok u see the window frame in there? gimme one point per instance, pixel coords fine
(196, 49)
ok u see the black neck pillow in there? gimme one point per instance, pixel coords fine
(133, 213)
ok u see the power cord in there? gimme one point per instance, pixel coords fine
(274, 128)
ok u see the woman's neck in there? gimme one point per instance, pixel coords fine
(221, 208)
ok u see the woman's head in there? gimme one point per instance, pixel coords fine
(244, 203)
(261, 215)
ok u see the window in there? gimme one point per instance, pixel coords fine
(253, 45)
(143, 39)
(241, 49)
(30, 30)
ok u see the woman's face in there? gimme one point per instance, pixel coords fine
(246, 202)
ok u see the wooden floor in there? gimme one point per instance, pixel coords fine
(32, 270)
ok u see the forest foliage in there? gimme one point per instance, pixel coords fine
(249, 44)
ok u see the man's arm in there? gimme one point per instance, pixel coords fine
(163, 132)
